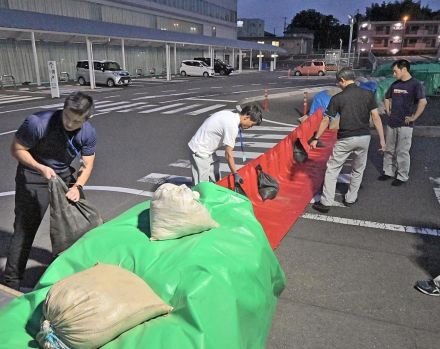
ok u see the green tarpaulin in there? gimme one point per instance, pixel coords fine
(223, 283)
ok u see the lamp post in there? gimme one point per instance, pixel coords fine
(351, 19)
(403, 32)
(340, 52)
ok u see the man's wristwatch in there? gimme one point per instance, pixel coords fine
(79, 186)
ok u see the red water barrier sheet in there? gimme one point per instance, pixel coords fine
(298, 182)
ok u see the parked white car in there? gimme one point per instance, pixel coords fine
(196, 68)
(106, 72)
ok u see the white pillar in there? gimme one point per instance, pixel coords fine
(250, 60)
(123, 54)
(175, 58)
(90, 59)
(260, 61)
(211, 56)
(240, 61)
(233, 58)
(34, 51)
(168, 61)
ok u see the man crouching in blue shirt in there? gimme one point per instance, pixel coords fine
(45, 145)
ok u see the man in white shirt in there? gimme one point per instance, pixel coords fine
(220, 129)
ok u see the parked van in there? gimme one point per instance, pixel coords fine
(220, 67)
(196, 68)
(106, 72)
(311, 68)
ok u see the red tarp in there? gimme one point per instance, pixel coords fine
(298, 182)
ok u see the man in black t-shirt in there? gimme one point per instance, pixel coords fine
(404, 102)
(354, 105)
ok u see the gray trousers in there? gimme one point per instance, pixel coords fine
(358, 146)
(396, 159)
(204, 167)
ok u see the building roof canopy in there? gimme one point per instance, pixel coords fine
(16, 20)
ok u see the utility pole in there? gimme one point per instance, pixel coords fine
(285, 24)
(351, 35)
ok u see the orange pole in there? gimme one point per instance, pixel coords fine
(266, 101)
(305, 106)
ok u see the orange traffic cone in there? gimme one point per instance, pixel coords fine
(266, 101)
(305, 106)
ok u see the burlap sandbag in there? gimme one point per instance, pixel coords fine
(175, 212)
(90, 308)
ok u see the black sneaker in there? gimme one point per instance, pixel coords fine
(384, 177)
(397, 183)
(348, 204)
(428, 287)
(320, 207)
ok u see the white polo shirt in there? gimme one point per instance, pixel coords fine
(220, 129)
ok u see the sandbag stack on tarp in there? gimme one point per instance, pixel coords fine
(222, 283)
(298, 182)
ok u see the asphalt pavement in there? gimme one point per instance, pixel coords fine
(350, 273)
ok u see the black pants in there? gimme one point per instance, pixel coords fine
(31, 202)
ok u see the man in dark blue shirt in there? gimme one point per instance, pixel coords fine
(404, 103)
(45, 145)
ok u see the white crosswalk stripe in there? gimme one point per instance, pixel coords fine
(203, 110)
(5, 99)
(121, 107)
(192, 106)
(160, 108)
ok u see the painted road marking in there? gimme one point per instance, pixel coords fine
(374, 225)
(212, 107)
(20, 100)
(104, 188)
(159, 96)
(211, 100)
(7, 132)
(160, 108)
(161, 178)
(181, 109)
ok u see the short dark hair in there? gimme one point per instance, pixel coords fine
(79, 103)
(254, 112)
(345, 74)
(402, 63)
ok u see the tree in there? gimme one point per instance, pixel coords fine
(326, 28)
(394, 11)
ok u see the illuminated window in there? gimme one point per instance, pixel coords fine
(276, 43)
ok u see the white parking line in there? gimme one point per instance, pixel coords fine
(8, 132)
(374, 225)
(17, 99)
(212, 100)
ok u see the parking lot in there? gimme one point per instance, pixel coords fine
(350, 275)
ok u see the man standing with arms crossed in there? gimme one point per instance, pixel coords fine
(404, 103)
(354, 105)
(220, 129)
(45, 145)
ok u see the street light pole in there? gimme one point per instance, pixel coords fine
(351, 35)
(403, 32)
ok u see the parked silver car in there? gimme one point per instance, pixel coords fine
(106, 72)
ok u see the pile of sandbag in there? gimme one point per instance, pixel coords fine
(90, 308)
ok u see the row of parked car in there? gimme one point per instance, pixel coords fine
(110, 73)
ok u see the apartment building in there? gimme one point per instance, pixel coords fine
(399, 37)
